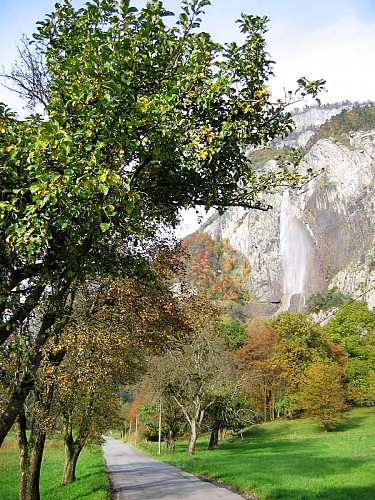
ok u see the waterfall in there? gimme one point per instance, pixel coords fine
(294, 248)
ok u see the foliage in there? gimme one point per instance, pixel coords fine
(195, 372)
(215, 267)
(193, 377)
(301, 343)
(231, 410)
(114, 325)
(353, 327)
(257, 355)
(360, 117)
(321, 393)
(235, 333)
(325, 301)
(360, 378)
(173, 424)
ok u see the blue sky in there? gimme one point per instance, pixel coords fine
(330, 39)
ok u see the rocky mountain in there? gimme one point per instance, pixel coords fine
(321, 237)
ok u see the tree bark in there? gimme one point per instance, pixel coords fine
(15, 405)
(73, 448)
(31, 454)
(214, 438)
(169, 440)
(193, 438)
(72, 451)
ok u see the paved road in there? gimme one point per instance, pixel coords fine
(136, 476)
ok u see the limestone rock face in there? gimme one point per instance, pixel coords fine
(314, 239)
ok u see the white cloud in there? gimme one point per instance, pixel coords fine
(341, 53)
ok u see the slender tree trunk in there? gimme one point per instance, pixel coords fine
(169, 440)
(193, 438)
(214, 438)
(23, 450)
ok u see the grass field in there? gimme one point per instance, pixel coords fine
(291, 459)
(91, 481)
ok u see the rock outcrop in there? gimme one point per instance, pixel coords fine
(314, 239)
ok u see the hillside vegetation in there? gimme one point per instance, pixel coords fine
(360, 117)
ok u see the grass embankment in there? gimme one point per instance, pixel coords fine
(291, 459)
(91, 476)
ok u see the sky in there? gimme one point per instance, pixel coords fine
(329, 39)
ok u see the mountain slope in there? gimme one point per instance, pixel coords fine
(318, 238)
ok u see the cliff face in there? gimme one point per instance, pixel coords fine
(318, 238)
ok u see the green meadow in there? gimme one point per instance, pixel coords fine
(91, 483)
(290, 459)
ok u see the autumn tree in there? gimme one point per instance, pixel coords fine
(86, 394)
(115, 326)
(257, 356)
(142, 118)
(321, 393)
(114, 323)
(301, 342)
(193, 377)
(215, 267)
(231, 410)
(150, 408)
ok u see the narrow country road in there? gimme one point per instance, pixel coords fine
(136, 476)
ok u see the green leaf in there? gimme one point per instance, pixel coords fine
(103, 188)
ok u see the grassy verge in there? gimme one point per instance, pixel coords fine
(291, 460)
(91, 477)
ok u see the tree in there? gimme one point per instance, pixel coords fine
(258, 356)
(117, 324)
(193, 378)
(142, 119)
(235, 333)
(112, 322)
(359, 376)
(321, 393)
(232, 409)
(33, 423)
(173, 423)
(301, 342)
(352, 328)
(196, 372)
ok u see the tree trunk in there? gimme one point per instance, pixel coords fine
(169, 441)
(72, 450)
(15, 405)
(71, 457)
(31, 454)
(214, 438)
(193, 438)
